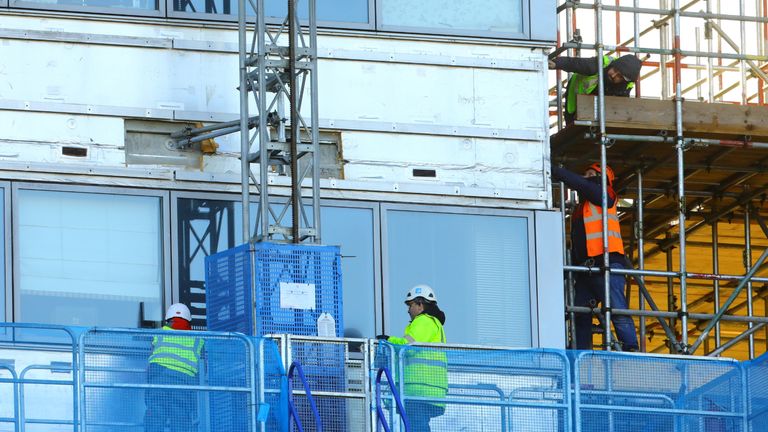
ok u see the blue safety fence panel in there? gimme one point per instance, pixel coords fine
(757, 393)
(121, 390)
(295, 285)
(37, 377)
(487, 390)
(228, 292)
(272, 387)
(636, 393)
(326, 364)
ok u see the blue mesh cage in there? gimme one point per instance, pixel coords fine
(228, 290)
(280, 270)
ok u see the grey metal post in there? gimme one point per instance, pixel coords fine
(663, 44)
(747, 267)
(743, 67)
(603, 177)
(568, 297)
(261, 71)
(315, 121)
(680, 180)
(640, 253)
(670, 295)
(716, 282)
(245, 166)
(710, 73)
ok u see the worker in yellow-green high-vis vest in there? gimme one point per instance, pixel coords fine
(175, 360)
(426, 370)
(619, 77)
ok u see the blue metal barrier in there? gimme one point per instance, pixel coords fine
(120, 390)
(53, 380)
(638, 393)
(58, 350)
(379, 410)
(756, 372)
(296, 366)
(522, 389)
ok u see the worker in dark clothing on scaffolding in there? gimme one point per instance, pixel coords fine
(619, 77)
(587, 250)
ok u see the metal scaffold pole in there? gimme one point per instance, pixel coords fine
(680, 146)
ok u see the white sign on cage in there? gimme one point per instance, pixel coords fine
(297, 295)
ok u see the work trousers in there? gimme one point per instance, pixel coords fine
(420, 413)
(172, 407)
(590, 290)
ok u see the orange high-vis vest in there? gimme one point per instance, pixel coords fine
(593, 229)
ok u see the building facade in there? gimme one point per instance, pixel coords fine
(435, 161)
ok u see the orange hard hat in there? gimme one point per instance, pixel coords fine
(608, 171)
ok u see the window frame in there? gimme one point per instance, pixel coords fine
(428, 31)
(374, 207)
(370, 25)
(163, 195)
(533, 29)
(102, 10)
(529, 215)
(7, 245)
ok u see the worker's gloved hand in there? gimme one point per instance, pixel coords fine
(382, 337)
(551, 64)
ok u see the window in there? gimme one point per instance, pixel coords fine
(478, 17)
(478, 264)
(353, 230)
(210, 225)
(203, 227)
(88, 257)
(343, 13)
(133, 7)
(5, 281)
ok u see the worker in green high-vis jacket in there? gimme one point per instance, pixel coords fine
(426, 370)
(175, 360)
(619, 77)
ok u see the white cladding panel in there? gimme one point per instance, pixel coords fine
(476, 113)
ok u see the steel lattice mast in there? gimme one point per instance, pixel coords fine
(278, 64)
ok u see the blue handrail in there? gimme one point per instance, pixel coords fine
(292, 408)
(380, 411)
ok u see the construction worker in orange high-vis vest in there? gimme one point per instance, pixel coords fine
(587, 250)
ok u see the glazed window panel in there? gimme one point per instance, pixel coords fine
(454, 16)
(89, 258)
(477, 264)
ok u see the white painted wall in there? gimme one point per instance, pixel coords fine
(474, 112)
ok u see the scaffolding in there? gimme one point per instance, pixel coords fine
(699, 285)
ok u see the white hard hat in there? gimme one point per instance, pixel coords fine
(178, 310)
(421, 290)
